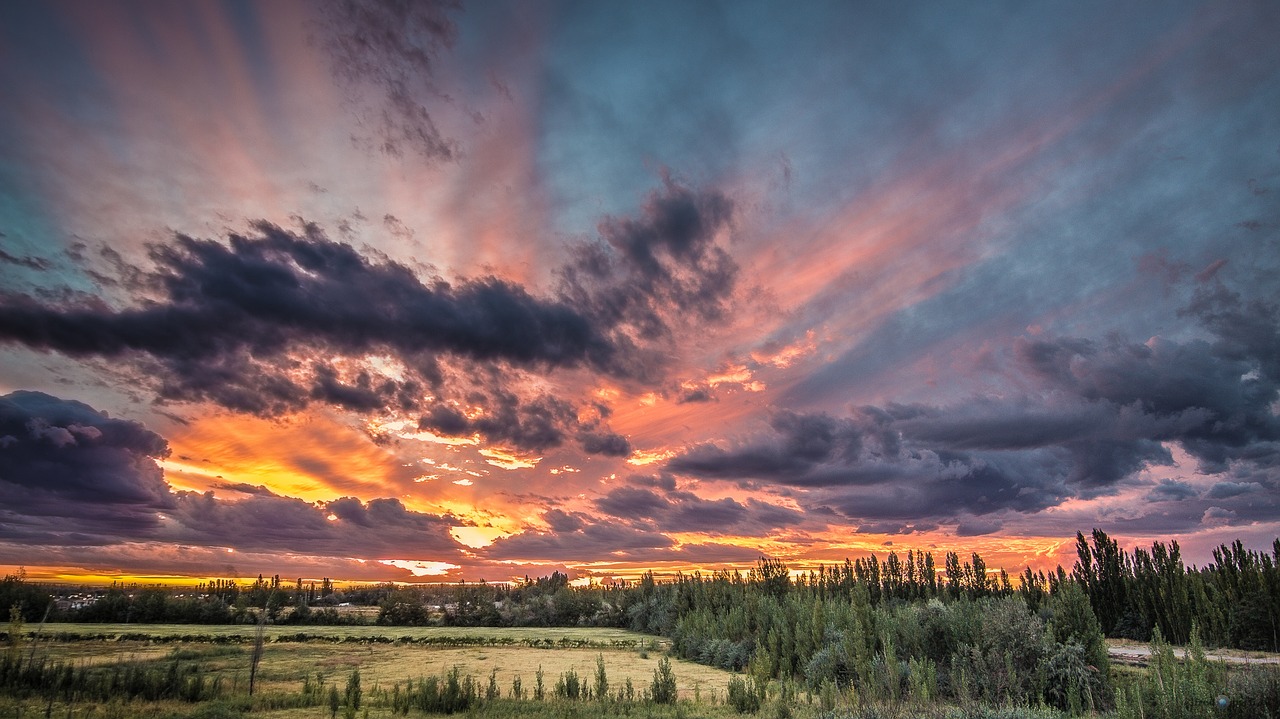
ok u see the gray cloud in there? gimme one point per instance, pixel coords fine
(255, 324)
(647, 274)
(71, 473)
(1094, 415)
(574, 536)
(384, 53)
(72, 476)
(1171, 490)
(377, 529)
(684, 511)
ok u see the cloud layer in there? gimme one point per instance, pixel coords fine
(1092, 416)
(600, 288)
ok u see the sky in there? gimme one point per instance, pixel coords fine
(437, 291)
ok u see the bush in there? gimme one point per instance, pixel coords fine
(744, 696)
(663, 688)
(569, 686)
(1071, 683)
(1253, 692)
(1173, 689)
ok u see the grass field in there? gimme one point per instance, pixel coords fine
(384, 656)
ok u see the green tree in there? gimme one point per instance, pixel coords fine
(663, 688)
(602, 679)
(15, 633)
(353, 692)
(1073, 621)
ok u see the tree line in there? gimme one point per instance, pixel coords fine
(1235, 599)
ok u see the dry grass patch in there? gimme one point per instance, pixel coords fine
(285, 665)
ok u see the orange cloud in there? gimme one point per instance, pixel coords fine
(312, 457)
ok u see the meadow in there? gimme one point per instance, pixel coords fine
(297, 670)
(862, 640)
(496, 672)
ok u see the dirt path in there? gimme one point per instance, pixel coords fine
(1141, 654)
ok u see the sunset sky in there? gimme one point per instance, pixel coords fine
(485, 290)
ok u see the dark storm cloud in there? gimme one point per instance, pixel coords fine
(32, 263)
(273, 321)
(800, 444)
(262, 294)
(68, 471)
(650, 272)
(573, 536)
(235, 324)
(70, 475)
(535, 424)
(1247, 330)
(1098, 413)
(977, 527)
(377, 529)
(1214, 398)
(385, 53)
(1171, 490)
(609, 444)
(697, 394)
(684, 511)
(1227, 490)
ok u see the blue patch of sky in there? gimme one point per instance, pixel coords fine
(841, 90)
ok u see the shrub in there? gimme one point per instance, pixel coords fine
(1170, 688)
(569, 686)
(1253, 692)
(663, 688)
(602, 679)
(744, 696)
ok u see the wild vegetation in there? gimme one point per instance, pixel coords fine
(899, 637)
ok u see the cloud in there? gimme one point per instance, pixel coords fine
(344, 527)
(225, 313)
(385, 53)
(977, 527)
(580, 537)
(1227, 490)
(71, 473)
(536, 423)
(574, 536)
(32, 263)
(1091, 416)
(273, 321)
(608, 444)
(647, 275)
(1171, 490)
(670, 510)
(800, 444)
(1213, 398)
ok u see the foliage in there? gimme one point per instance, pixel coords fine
(744, 695)
(568, 686)
(663, 688)
(25, 676)
(31, 600)
(1173, 689)
(602, 679)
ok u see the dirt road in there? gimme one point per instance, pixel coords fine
(1129, 653)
